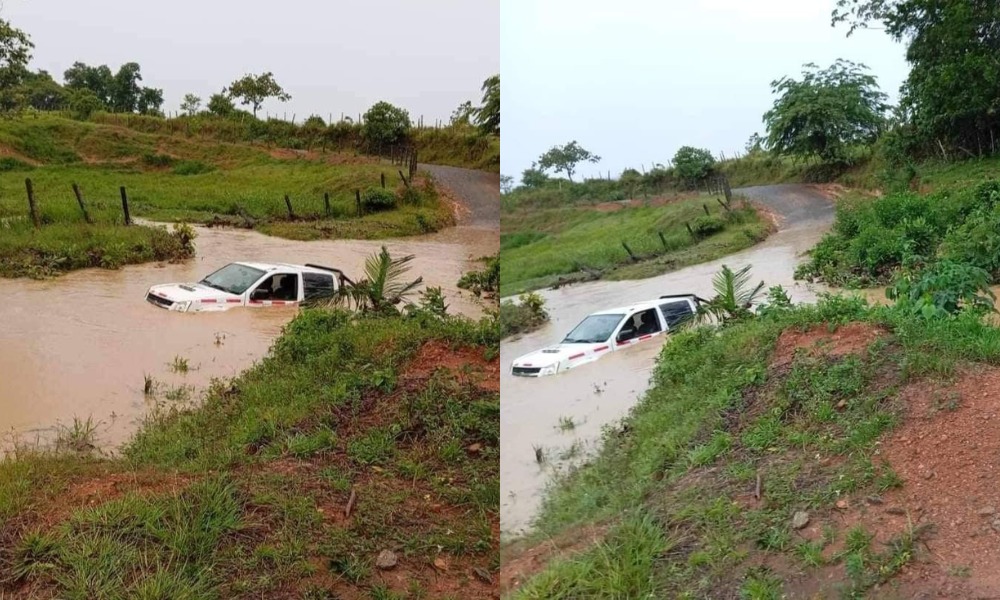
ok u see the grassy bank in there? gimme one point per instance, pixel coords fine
(542, 245)
(763, 463)
(356, 437)
(173, 178)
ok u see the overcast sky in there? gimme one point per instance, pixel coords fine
(332, 57)
(632, 81)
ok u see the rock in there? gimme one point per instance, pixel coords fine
(841, 504)
(874, 499)
(483, 575)
(895, 510)
(842, 404)
(440, 564)
(475, 448)
(995, 525)
(386, 560)
(927, 474)
(800, 520)
(986, 511)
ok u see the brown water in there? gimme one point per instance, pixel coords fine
(601, 393)
(80, 345)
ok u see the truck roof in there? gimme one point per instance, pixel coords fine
(274, 266)
(647, 304)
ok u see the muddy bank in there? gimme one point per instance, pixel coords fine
(80, 345)
(536, 412)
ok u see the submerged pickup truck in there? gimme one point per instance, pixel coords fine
(607, 331)
(249, 284)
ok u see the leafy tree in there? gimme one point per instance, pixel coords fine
(506, 184)
(533, 177)
(255, 89)
(98, 80)
(221, 105)
(565, 159)
(15, 52)
(150, 100)
(949, 99)
(693, 164)
(84, 103)
(191, 104)
(488, 115)
(41, 92)
(385, 124)
(826, 112)
(125, 88)
(630, 180)
(463, 114)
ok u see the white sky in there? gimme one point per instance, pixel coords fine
(633, 81)
(331, 56)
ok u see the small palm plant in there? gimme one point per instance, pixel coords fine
(382, 287)
(733, 296)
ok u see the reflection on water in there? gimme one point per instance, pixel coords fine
(80, 345)
(600, 393)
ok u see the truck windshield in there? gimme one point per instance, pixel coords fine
(233, 278)
(593, 329)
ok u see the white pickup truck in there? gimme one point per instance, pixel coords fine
(249, 284)
(607, 331)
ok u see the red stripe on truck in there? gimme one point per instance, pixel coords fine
(576, 356)
(601, 349)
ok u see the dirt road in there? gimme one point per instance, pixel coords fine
(477, 190)
(535, 412)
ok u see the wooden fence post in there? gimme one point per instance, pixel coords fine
(357, 196)
(79, 200)
(403, 177)
(383, 180)
(326, 203)
(128, 218)
(31, 202)
(728, 190)
(663, 240)
(288, 203)
(629, 250)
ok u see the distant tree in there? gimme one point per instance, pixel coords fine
(191, 104)
(385, 124)
(150, 100)
(754, 144)
(98, 80)
(125, 88)
(826, 112)
(693, 164)
(84, 103)
(630, 180)
(564, 159)
(15, 52)
(313, 129)
(41, 92)
(255, 89)
(533, 177)
(221, 104)
(488, 115)
(463, 114)
(506, 184)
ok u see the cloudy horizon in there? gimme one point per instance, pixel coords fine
(334, 58)
(634, 81)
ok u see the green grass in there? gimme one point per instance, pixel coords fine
(714, 419)
(244, 495)
(539, 246)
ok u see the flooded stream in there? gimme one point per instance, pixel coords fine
(536, 412)
(80, 345)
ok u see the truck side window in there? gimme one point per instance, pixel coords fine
(642, 323)
(676, 313)
(317, 285)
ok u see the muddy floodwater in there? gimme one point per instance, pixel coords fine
(80, 345)
(536, 412)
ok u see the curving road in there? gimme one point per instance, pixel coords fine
(600, 393)
(478, 191)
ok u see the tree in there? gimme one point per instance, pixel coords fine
(98, 80)
(255, 89)
(733, 298)
(488, 115)
(385, 124)
(191, 104)
(125, 88)
(41, 92)
(693, 164)
(150, 100)
(463, 114)
(826, 113)
(565, 158)
(506, 184)
(533, 177)
(630, 180)
(313, 129)
(221, 105)
(15, 52)
(949, 99)
(381, 288)
(84, 103)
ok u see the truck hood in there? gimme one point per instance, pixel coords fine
(184, 292)
(568, 355)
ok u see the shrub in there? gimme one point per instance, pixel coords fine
(942, 290)
(486, 280)
(9, 163)
(376, 199)
(693, 164)
(529, 314)
(192, 167)
(707, 225)
(157, 160)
